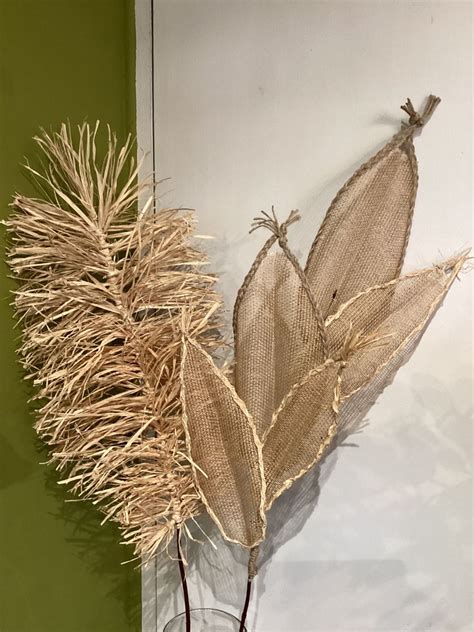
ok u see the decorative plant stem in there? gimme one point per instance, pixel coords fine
(252, 571)
(243, 617)
(184, 583)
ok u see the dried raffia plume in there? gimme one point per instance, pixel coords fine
(314, 346)
(101, 289)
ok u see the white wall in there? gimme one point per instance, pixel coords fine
(261, 103)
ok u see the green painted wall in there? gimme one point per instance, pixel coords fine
(59, 569)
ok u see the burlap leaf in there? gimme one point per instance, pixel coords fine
(301, 428)
(395, 312)
(354, 408)
(363, 238)
(224, 448)
(276, 337)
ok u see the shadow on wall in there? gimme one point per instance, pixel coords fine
(416, 598)
(15, 468)
(222, 567)
(431, 492)
(96, 546)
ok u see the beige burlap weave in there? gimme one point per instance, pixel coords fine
(277, 338)
(314, 348)
(301, 428)
(395, 312)
(367, 226)
(224, 448)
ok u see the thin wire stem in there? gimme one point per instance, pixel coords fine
(184, 583)
(253, 556)
(243, 617)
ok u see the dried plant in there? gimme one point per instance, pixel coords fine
(101, 290)
(313, 347)
(120, 323)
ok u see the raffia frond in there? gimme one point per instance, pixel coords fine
(101, 289)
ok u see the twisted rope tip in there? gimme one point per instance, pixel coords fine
(271, 223)
(415, 118)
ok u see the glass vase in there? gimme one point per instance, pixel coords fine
(205, 620)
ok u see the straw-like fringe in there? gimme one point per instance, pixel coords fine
(100, 299)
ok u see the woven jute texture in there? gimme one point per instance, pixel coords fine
(315, 347)
(277, 341)
(308, 411)
(394, 313)
(367, 226)
(354, 408)
(224, 449)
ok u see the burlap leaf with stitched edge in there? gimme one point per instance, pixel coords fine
(301, 429)
(391, 334)
(363, 238)
(277, 339)
(304, 377)
(224, 448)
(394, 312)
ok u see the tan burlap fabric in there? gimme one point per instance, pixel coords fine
(224, 448)
(302, 427)
(277, 338)
(314, 348)
(363, 238)
(395, 312)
